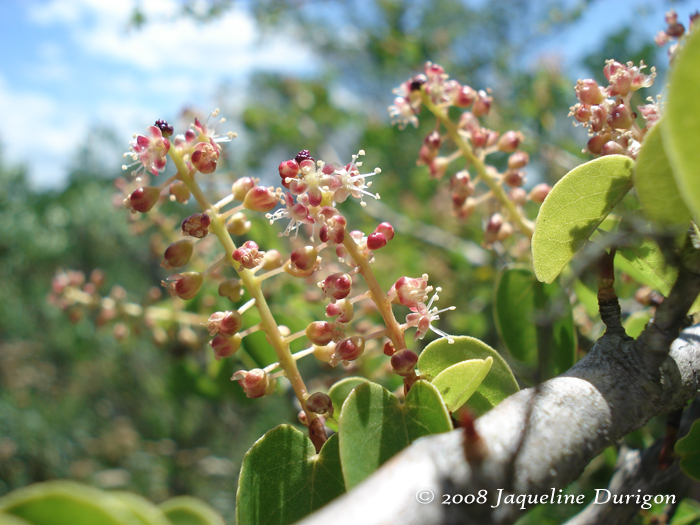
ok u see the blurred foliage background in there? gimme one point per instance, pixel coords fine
(156, 417)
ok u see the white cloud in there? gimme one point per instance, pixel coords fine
(111, 74)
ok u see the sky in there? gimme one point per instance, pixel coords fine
(68, 67)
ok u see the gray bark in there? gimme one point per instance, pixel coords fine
(539, 440)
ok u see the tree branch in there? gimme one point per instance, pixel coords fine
(637, 472)
(539, 440)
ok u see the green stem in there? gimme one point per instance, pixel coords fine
(393, 329)
(251, 283)
(499, 193)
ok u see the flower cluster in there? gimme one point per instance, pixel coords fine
(504, 195)
(338, 258)
(674, 31)
(607, 112)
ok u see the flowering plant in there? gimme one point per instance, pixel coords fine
(538, 326)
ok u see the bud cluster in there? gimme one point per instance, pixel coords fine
(607, 112)
(474, 141)
(674, 31)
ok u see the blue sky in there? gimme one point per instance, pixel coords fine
(67, 66)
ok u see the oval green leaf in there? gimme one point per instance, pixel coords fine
(498, 384)
(374, 425)
(283, 480)
(338, 393)
(458, 382)
(535, 321)
(655, 184)
(681, 134)
(66, 503)
(574, 208)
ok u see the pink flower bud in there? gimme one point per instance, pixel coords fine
(518, 160)
(387, 229)
(179, 192)
(620, 83)
(467, 209)
(518, 196)
(248, 255)
(410, 291)
(324, 353)
(226, 323)
(196, 225)
(514, 178)
(177, 254)
(482, 104)
(464, 97)
(492, 228)
(599, 115)
(261, 199)
(612, 67)
(468, 122)
(510, 141)
(596, 143)
(288, 169)
(184, 285)
(337, 286)
(351, 348)
(238, 224)
(504, 232)
(304, 258)
(272, 260)
(389, 349)
(241, 187)
(231, 289)
(404, 362)
(320, 332)
(254, 382)
(320, 403)
(376, 240)
(581, 112)
(438, 167)
(620, 117)
(333, 231)
(539, 193)
(612, 148)
(588, 92)
(342, 309)
(143, 199)
(225, 346)
(462, 186)
(675, 30)
(205, 156)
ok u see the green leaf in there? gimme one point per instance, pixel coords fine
(681, 134)
(146, 512)
(574, 208)
(688, 513)
(66, 503)
(535, 321)
(374, 425)
(458, 382)
(186, 510)
(498, 384)
(688, 448)
(646, 264)
(283, 480)
(9, 519)
(338, 393)
(655, 185)
(636, 322)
